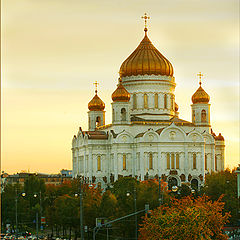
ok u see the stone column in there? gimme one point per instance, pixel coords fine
(134, 160)
(142, 164)
(90, 163)
(203, 161)
(213, 158)
(115, 157)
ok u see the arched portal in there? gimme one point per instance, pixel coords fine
(172, 181)
(194, 184)
(123, 114)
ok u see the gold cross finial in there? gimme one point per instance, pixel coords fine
(145, 17)
(96, 84)
(200, 77)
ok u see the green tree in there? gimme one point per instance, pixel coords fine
(224, 182)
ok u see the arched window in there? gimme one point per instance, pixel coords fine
(171, 102)
(113, 115)
(134, 101)
(203, 116)
(216, 166)
(145, 96)
(123, 114)
(172, 181)
(205, 161)
(168, 161)
(165, 101)
(150, 161)
(193, 116)
(194, 184)
(172, 161)
(124, 162)
(177, 161)
(98, 121)
(99, 163)
(194, 161)
(156, 100)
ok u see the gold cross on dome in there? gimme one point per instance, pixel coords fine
(200, 75)
(145, 17)
(96, 85)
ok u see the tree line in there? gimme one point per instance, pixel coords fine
(60, 205)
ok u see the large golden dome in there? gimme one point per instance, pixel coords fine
(96, 104)
(121, 94)
(200, 96)
(146, 59)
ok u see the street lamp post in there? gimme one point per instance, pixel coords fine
(16, 216)
(135, 209)
(81, 212)
(159, 190)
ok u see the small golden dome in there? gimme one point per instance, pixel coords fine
(96, 104)
(219, 137)
(121, 94)
(176, 107)
(200, 96)
(146, 59)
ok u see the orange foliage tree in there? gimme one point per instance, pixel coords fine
(185, 219)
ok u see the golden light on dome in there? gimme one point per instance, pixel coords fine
(96, 104)
(120, 94)
(146, 60)
(200, 96)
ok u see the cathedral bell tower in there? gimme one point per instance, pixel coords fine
(201, 107)
(96, 114)
(120, 105)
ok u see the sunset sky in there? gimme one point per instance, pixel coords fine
(53, 51)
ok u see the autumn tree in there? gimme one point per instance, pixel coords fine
(186, 219)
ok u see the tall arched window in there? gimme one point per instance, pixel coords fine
(172, 161)
(171, 102)
(156, 100)
(216, 166)
(205, 162)
(193, 116)
(98, 121)
(145, 97)
(113, 115)
(194, 161)
(99, 163)
(150, 161)
(134, 101)
(165, 101)
(123, 114)
(168, 161)
(177, 161)
(203, 116)
(124, 162)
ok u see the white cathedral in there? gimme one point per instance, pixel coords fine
(146, 138)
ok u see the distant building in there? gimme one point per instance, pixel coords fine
(53, 179)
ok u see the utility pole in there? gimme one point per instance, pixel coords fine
(159, 190)
(37, 224)
(81, 212)
(16, 215)
(135, 210)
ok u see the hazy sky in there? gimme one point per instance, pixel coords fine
(53, 51)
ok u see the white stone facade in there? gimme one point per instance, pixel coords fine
(147, 139)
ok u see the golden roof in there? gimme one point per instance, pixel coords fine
(146, 59)
(121, 94)
(96, 104)
(200, 96)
